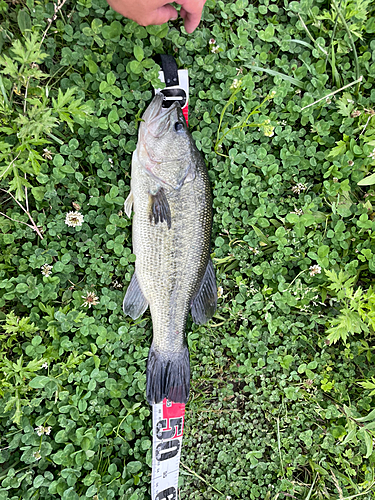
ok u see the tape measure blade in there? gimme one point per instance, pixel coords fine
(167, 429)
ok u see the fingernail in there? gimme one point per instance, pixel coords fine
(173, 18)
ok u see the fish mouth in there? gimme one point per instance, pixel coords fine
(156, 122)
(156, 119)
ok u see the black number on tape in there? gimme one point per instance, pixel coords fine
(169, 433)
(162, 452)
(168, 494)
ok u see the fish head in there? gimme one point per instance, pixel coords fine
(165, 147)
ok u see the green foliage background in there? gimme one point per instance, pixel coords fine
(282, 402)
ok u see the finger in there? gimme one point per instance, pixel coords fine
(120, 8)
(160, 16)
(191, 21)
(191, 12)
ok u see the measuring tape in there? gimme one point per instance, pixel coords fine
(167, 429)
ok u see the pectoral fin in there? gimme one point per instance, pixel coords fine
(128, 205)
(204, 303)
(159, 208)
(134, 304)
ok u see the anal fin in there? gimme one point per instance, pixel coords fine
(135, 303)
(203, 305)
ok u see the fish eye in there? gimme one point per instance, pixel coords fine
(178, 126)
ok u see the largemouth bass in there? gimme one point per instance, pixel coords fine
(172, 203)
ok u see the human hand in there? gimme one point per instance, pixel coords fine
(146, 12)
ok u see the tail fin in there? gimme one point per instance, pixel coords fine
(168, 376)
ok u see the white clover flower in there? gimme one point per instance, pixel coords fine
(298, 211)
(90, 300)
(298, 188)
(272, 94)
(254, 250)
(37, 455)
(315, 270)
(269, 131)
(236, 83)
(47, 154)
(43, 430)
(220, 292)
(215, 49)
(212, 41)
(45, 365)
(372, 155)
(116, 284)
(46, 270)
(74, 219)
(110, 161)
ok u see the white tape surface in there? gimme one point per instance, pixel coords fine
(167, 429)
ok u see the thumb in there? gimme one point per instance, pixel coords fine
(161, 15)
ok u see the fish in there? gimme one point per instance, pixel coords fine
(171, 231)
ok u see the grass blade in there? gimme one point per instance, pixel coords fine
(272, 72)
(300, 42)
(3, 91)
(351, 42)
(333, 93)
(310, 35)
